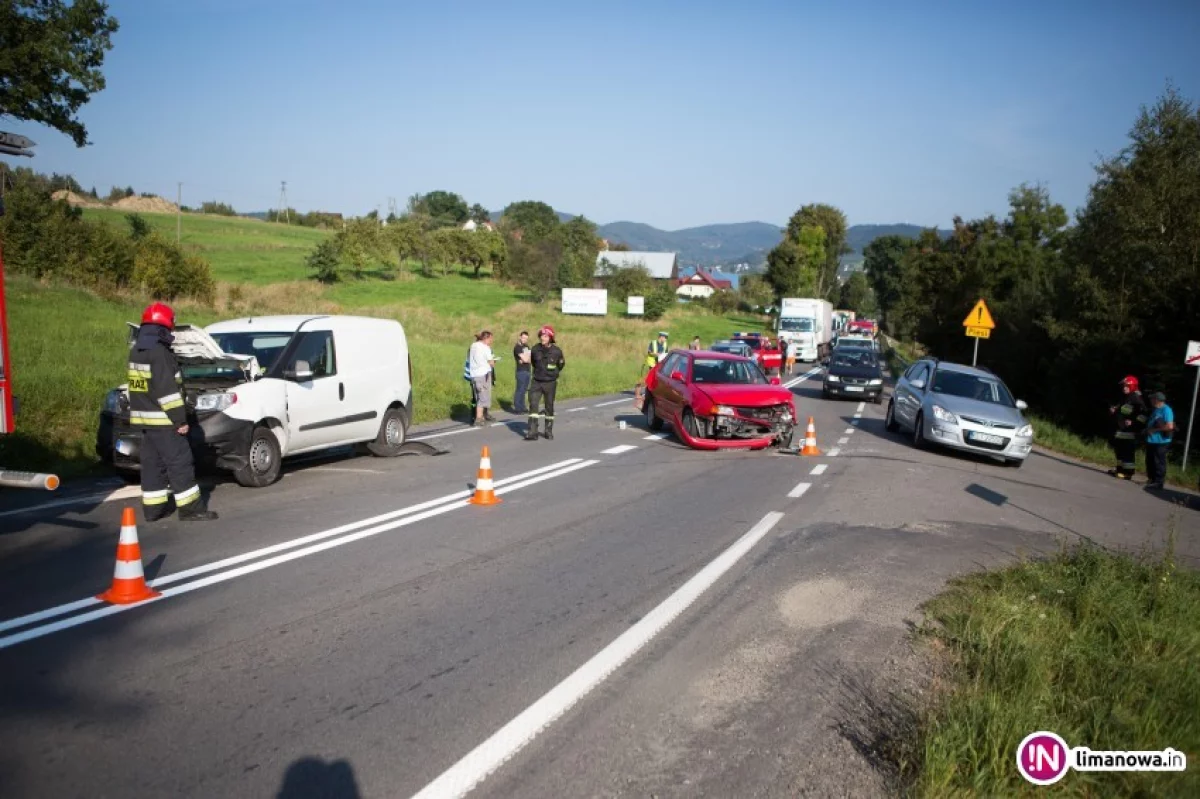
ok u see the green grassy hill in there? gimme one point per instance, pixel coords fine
(240, 250)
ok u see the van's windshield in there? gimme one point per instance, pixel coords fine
(264, 346)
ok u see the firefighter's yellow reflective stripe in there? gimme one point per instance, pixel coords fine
(1126, 409)
(1142, 418)
(187, 497)
(139, 367)
(139, 382)
(171, 401)
(551, 366)
(1125, 436)
(155, 497)
(149, 418)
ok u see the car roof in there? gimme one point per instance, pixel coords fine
(964, 369)
(717, 356)
(292, 323)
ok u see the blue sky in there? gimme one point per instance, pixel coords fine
(675, 114)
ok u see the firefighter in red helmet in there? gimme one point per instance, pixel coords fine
(1130, 418)
(548, 362)
(156, 408)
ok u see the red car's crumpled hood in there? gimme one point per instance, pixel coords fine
(758, 396)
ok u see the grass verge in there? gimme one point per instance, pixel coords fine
(1098, 647)
(69, 347)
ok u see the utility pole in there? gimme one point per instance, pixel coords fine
(283, 206)
(179, 214)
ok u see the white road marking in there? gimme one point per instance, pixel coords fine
(127, 492)
(447, 433)
(617, 450)
(843, 440)
(346, 469)
(655, 437)
(819, 469)
(576, 410)
(71, 607)
(855, 420)
(481, 761)
(801, 378)
(862, 406)
(220, 577)
(799, 490)
(849, 430)
(614, 402)
(833, 453)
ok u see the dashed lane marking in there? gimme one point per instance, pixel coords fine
(862, 406)
(843, 440)
(576, 410)
(484, 759)
(617, 450)
(614, 402)
(833, 453)
(848, 430)
(819, 469)
(799, 490)
(655, 437)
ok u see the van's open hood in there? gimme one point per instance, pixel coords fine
(195, 347)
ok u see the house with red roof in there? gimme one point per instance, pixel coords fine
(700, 284)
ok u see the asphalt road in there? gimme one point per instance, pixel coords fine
(635, 618)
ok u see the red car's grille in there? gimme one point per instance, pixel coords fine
(770, 414)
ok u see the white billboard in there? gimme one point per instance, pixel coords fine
(636, 306)
(585, 301)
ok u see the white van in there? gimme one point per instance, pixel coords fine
(263, 388)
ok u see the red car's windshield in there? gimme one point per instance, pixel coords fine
(708, 371)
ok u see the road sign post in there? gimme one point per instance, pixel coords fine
(1191, 359)
(979, 324)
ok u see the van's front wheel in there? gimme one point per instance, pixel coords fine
(263, 460)
(393, 432)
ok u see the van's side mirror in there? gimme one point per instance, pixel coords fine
(1022, 405)
(301, 372)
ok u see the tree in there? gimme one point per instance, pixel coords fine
(833, 222)
(882, 265)
(479, 214)
(856, 295)
(794, 265)
(534, 266)
(325, 261)
(139, 228)
(361, 244)
(580, 246)
(755, 292)
(529, 220)
(50, 58)
(443, 208)
(629, 281)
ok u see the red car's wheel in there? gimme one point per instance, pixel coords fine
(652, 420)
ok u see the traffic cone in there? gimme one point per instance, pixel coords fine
(484, 494)
(129, 582)
(810, 440)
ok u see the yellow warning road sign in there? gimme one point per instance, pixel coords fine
(979, 332)
(980, 316)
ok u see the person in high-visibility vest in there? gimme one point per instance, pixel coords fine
(655, 353)
(1130, 417)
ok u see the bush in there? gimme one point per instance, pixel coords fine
(213, 207)
(659, 301)
(634, 281)
(723, 302)
(325, 262)
(162, 271)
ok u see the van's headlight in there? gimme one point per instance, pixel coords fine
(112, 401)
(1025, 432)
(943, 415)
(215, 402)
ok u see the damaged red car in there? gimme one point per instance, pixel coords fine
(715, 400)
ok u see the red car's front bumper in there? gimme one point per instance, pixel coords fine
(726, 443)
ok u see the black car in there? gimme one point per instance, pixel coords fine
(855, 373)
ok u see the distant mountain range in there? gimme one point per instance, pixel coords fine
(739, 243)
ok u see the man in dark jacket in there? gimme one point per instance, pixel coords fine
(156, 408)
(1130, 417)
(548, 362)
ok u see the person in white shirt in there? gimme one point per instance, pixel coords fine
(480, 363)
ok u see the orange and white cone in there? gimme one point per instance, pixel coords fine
(129, 582)
(810, 440)
(484, 489)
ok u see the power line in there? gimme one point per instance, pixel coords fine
(283, 206)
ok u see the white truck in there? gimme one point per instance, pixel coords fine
(807, 324)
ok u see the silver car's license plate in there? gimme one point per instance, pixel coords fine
(987, 438)
(854, 388)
